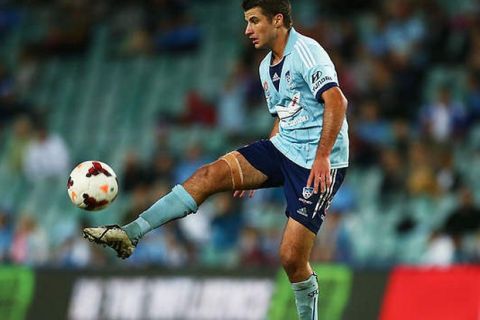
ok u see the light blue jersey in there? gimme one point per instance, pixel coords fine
(306, 73)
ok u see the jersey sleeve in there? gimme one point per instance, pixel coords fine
(317, 68)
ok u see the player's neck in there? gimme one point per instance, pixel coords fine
(278, 47)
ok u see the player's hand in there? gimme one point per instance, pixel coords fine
(242, 193)
(320, 175)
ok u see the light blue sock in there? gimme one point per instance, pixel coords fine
(306, 298)
(176, 204)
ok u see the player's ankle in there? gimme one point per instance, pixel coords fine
(133, 231)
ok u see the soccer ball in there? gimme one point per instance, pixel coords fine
(92, 185)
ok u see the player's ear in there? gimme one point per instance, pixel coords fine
(278, 20)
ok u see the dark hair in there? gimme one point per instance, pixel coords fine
(270, 8)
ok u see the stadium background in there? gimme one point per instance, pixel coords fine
(157, 88)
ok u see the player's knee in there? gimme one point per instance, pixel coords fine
(211, 174)
(290, 259)
(205, 173)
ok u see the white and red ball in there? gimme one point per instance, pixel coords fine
(92, 185)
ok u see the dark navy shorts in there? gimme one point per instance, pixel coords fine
(303, 205)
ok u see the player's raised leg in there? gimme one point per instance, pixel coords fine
(295, 252)
(230, 172)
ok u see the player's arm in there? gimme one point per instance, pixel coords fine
(275, 127)
(334, 114)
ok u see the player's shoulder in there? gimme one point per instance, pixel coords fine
(309, 50)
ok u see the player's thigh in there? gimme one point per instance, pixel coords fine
(297, 243)
(247, 177)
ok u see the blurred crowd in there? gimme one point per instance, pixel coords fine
(410, 70)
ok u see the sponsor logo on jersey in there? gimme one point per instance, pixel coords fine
(297, 121)
(275, 77)
(307, 192)
(318, 80)
(316, 76)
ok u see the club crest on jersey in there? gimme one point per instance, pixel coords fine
(288, 78)
(307, 192)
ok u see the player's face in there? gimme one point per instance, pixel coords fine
(260, 28)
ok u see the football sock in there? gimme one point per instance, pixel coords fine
(176, 204)
(306, 298)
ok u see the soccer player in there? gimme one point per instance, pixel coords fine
(307, 152)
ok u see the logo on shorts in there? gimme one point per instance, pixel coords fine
(307, 192)
(305, 201)
(303, 212)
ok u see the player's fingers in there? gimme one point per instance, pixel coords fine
(238, 193)
(323, 183)
(252, 192)
(316, 184)
(310, 179)
(328, 181)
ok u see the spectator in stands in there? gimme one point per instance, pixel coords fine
(69, 30)
(405, 30)
(421, 179)
(198, 110)
(193, 158)
(448, 177)
(26, 71)
(472, 98)
(7, 103)
(463, 221)
(6, 232)
(173, 28)
(30, 242)
(334, 242)
(393, 181)
(10, 18)
(251, 252)
(473, 55)
(372, 132)
(381, 85)
(440, 250)
(445, 118)
(134, 173)
(225, 229)
(47, 156)
(161, 247)
(162, 166)
(74, 253)
(17, 145)
(129, 30)
(232, 102)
